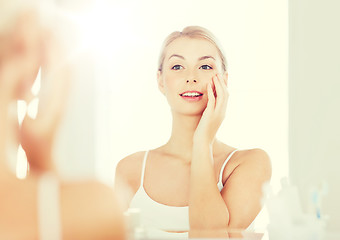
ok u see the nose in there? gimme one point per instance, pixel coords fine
(194, 80)
(191, 76)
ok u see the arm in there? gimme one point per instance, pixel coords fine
(239, 202)
(127, 178)
(242, 192)
(207, 209)
(19, 62)
(38, 135)
(208, 213)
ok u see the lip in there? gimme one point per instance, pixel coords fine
(194, 98)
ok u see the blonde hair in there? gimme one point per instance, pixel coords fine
(192, 32)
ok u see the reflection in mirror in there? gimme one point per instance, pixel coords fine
(140, 118)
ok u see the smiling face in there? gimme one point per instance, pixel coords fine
(189, 65)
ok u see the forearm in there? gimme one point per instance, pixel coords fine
(207, 209)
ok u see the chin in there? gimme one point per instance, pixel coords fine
(194, 112)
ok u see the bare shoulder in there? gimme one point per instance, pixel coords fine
(95, 209)
(131, 162)
(129, 168)
(255, 160)
(256, 154)
(250, 161)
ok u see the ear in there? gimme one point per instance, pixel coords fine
(160, 82)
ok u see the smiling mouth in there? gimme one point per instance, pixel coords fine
(191, 94)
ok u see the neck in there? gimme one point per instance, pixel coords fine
(181, 140)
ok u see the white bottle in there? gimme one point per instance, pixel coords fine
(135, 228)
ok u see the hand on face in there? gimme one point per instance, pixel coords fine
(214, 113)
(37, 135)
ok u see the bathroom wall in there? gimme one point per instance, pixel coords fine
(314, 101)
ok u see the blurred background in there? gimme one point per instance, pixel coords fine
(284, 78)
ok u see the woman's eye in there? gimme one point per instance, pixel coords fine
(206, 67)
(177, 67)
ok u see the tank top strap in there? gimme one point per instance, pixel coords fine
(49, 218)
(143, 168)
(223, 167)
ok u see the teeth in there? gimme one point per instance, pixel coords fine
(191, 94)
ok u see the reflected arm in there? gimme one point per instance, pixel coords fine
(236, 206)
(207, 210)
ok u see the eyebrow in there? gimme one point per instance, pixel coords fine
(176, 55)
(200, 59)
(206, 57)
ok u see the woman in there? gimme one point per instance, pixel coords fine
(194, 181)
(41, 206)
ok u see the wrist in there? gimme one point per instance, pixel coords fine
(202, 144)
(202, 140)
(199, 141)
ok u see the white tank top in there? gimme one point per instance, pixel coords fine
(157, 217)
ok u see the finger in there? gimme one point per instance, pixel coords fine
(219, 91)
(225, 77)
(224, 83)
(211, 97)
(213, 86)
(223, 99)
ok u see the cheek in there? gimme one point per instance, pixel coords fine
(169, 84)
(172, 81)
(207, 76)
